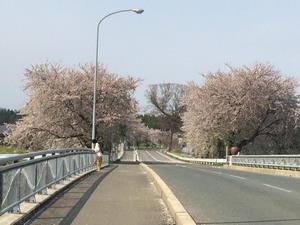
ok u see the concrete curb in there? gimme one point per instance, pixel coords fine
(178, 212)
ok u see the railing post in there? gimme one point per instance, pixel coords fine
(226, 153)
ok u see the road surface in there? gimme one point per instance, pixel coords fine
(223, 196)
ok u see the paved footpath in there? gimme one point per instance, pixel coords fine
(124, 197)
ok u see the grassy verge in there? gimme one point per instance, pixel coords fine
(11, 150)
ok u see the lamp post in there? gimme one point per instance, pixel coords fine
(138, 11)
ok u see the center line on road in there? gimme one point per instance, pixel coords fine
(134, 156)
(242, 178)
(219, 173)
(181, 166)
(151, 156)
(167, 157)
(275, 187)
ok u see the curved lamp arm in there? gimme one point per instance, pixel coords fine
(138, 11)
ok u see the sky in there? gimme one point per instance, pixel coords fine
(172, 41)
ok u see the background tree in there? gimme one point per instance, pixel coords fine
(8, 116)
(248, 106)
(164, 100)
(153, 121)
(58, 111)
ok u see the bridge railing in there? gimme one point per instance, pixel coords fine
(25, 175)
(268, 161)
(198, 160)
(286, 162)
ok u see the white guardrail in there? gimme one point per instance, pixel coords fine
(25, 175)
(285, 162)
(267, 161)
(198, 160)
(118, 152)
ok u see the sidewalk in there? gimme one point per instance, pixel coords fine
(116, 195)
(61, 208)
(126, 196)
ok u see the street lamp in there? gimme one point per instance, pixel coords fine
(138, 11)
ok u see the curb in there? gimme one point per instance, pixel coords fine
(178, 212)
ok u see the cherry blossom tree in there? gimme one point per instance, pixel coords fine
(58, 112)
(245, 106)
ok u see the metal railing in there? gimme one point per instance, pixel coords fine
(286, 162)
(25, 175)
(118, 152)
(198, 160)
(268, 161)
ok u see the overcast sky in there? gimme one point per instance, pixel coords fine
(172, 41)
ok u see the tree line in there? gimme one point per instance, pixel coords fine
(7, 116)
(252, 108)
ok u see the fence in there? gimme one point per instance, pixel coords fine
(286, 162)
(23, 176)
(268, 161)
(198, 160)
(118, 152)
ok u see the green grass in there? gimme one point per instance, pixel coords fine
(11, 150)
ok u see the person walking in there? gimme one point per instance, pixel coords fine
(98, 157)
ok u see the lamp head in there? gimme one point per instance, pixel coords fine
(138, 11)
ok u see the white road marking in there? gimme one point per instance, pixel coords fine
(242, 178)
(277, 188)
(167, 157)
(137, 156)
(219, 173)
(151, 156)
(181, 166)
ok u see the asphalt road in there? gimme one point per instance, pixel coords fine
(223, 196)
(150, 156)
(154, 156)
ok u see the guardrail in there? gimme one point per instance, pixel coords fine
(25, 175)
(198, 160)
(267, 161)
(118, 152)
(284, 162)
